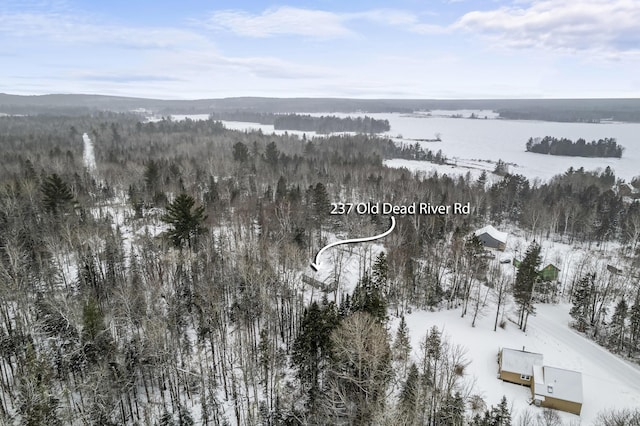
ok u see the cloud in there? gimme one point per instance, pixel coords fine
(280, 21)
(607, 26)
(125, 78)
(195, 63)
(72, 29)
(312, 23)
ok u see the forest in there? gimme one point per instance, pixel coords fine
(307, 123)
(607, 147)
(330, 124)
(164, 285)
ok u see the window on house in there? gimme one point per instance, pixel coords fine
(550, 389)
(525, 377)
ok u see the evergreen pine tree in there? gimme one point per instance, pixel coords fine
(500, 415)
(409, 395)
(484, 420)
(240, 152)
(367, 297)
(272, 154)
(95, 336)
(345, 306)
(380, 272)
(185, 220)
(320, 201)
(618, 326)
(281, 189)
(525, 280)
(582, 302)
(402, 344)
(451, 412)
(56, 194)
(312, 346)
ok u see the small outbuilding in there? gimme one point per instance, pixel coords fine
(516, 366)
(492, 238)
(549, 273)
(557, 388)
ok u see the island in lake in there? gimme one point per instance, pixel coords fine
(607, 147)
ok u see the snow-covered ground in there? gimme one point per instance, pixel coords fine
(608, 382)
(574, 260)
(88, 155)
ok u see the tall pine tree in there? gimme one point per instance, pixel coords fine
(367, 297)
(526, 278)
(582, 293)
(185, 220)
(618, 326)
(312, 347)
(56, 194)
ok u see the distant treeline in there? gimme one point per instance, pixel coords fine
(307, 123)
(571, 116)
(565, 110)
(607, 147)
(330, 124)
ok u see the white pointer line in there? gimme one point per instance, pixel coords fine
(315, 264)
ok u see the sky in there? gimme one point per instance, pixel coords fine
(437, 49)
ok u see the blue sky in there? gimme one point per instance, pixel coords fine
(364, 49)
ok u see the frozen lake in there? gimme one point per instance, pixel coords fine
(468, 139)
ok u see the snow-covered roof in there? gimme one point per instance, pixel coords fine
(520, 362)
(493, 232)
(538, 376)
(559, 383)
(629, 186)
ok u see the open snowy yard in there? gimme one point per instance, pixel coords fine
(608, 382)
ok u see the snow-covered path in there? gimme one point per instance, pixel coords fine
(614, 380)
(88, 155)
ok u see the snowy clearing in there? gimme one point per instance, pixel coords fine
(88, 155)
(608, 382)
